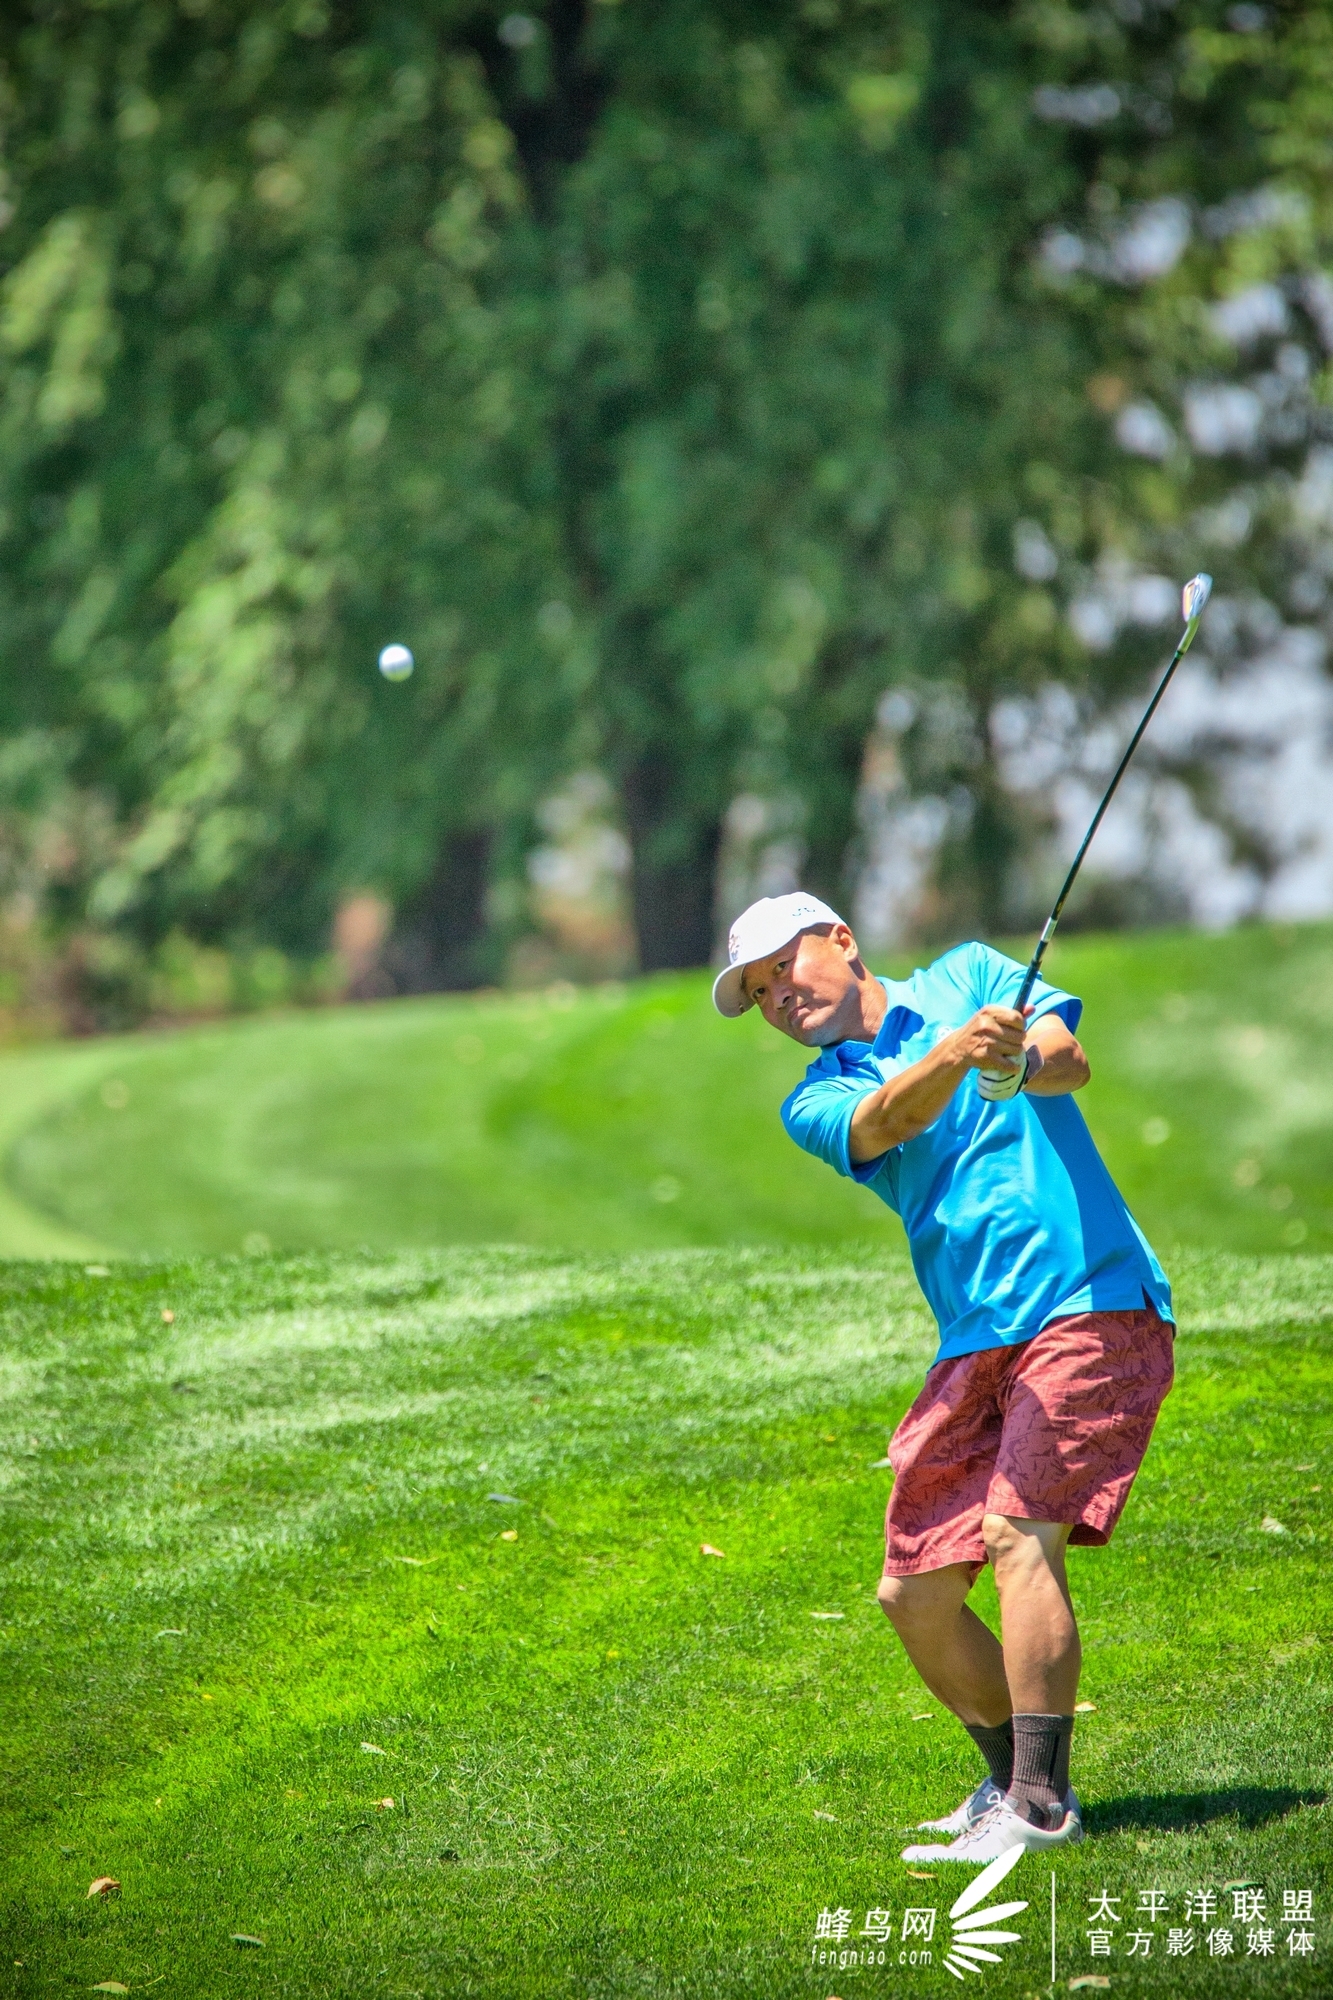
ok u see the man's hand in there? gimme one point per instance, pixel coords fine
(998, 1085)
(1053, 1065)
(991, 1040)
(1003, 1063)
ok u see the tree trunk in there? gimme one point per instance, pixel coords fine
(441, 941)
(832, 790)
(554, 131)
(828, 733)
(674, 870)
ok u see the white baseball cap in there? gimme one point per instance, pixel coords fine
(758, 932)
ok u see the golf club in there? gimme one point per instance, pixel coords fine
(1192, 601)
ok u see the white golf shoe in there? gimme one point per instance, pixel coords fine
(986, 1795)
(1001, 1829)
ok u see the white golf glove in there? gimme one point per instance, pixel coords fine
(998, 1084)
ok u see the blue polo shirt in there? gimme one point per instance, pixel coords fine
(1010, 1213)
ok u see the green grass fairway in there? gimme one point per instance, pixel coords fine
(632, 1118)
(255, 1588)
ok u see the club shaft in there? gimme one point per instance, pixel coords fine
(1033, 972)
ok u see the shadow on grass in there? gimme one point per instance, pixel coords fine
(1177, 1812)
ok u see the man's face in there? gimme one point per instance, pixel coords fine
(808, 989)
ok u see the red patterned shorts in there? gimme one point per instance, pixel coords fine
(1051, 1430)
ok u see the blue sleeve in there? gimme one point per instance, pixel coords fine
(995, 981)
(818, 1116)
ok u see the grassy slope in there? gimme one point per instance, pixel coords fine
(31, 1081)
(619, 1768)
(634, 1118)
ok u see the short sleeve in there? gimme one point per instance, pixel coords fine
(818, 1116)
(996, 981)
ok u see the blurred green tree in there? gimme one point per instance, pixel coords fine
(261, 414)
(675, 376)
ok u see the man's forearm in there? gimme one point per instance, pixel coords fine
(906, 1105)
(1059, 1064)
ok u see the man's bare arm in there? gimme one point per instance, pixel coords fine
(908, 1103)
(1061, 1065)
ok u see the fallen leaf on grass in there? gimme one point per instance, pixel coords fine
(243, 1937)
(1097, 1979)
(880, 1464)
(509, 1534)
(105, 1885)
(920, 1875)
(1304, 1468)
(707, 1549)
(170, 1632)
(168, 1316)
(505, 1499)
(929, 1716)
(108, 1986)
(1270, 1526)
(384, 1805)
(417, 1562)
(828, 1614)
(373, 1750)
(824, 1815)
(1085, 1708)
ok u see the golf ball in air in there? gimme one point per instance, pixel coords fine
(396, 663)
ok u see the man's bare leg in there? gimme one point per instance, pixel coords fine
(1042, 1656)
(1042, 1653)
(957, 1656)
(1032, 1678)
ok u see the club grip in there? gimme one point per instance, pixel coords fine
(1033, 973)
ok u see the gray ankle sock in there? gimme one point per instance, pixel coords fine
(997, 1747)
(1041, 1768)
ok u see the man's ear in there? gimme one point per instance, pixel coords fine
(846, 943)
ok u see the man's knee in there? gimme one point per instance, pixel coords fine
(895, 1597)
(1012, 1543)
(914, 1603)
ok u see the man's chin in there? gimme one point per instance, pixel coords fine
(815, 1034)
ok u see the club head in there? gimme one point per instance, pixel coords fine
(1194, 596)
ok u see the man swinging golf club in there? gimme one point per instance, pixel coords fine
(949, 1095)
(954, 1105)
